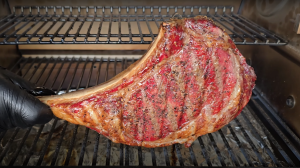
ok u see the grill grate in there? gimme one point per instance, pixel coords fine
(113, 24)
(246, 141)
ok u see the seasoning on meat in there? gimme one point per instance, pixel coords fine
(192, 81)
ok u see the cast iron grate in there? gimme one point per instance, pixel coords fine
(118, 24)
(257, 137)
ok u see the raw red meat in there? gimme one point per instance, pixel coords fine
(192, 81)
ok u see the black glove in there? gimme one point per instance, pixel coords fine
(18, 106)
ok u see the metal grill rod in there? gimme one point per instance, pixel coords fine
(69, 29)
(89, 29)
(15, 155)
(261, 141)
(204, 153)
(76, 127)
(274, 141)
(98, 135)
(119, 28)
(240, 29)
(2, 134)
(129, 29)
(240, 146)
(43, 70)
(17, 63)
(261, 160)
(139, 27)
(86, 129)
(42, 126)
(126, 146)
(8, 144)
(234, 33)
(57, 31)
(153, 156)
(236, 21)
(232, 156)
(179, 154)
(47, 31)
(109, 29)
(166, 156)
(7, 37)
(37, 30)
(11, 21)
(248, 28)
(155, 21)
(149, 28)
(140, 156)
(35, 68)
(122, 145)
(278, 124)
(24, 63)
(252, 24)
(217, 150)
(7, 17)
(65, 122)
(32, 63)
(108, 140)
(99, 28)
(43, 151)
(78, 31)
(3, 153)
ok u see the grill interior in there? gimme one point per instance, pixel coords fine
(257, 137)
(118, 24)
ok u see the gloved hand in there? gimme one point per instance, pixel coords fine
(18, 106)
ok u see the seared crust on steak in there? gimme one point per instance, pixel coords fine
(192, 81)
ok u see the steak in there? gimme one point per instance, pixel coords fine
(192, 81)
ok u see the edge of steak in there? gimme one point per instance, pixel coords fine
(192, 81)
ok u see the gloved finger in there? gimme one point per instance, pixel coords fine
(22, 109)
(17, 80)
(35, 112)
(26, 85)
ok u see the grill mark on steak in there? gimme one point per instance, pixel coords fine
(228, 76)
(150, 93)
(234, 97)
(199, 79)
(150, 123)
(168, 117)
(211, 89)
(176, 97)
(177, 92)
(195, 93)
(160, 105)
(190, 84)
(219, 84)
(139, 116)
(129, 120)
